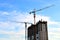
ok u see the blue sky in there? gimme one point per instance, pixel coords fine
(18, 10)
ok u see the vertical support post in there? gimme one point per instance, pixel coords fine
(34, 25)
(25, 31)
(34, 18)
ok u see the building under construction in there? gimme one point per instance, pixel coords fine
(38, 31)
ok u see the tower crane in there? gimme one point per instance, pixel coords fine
(25, 27)
(34, 13)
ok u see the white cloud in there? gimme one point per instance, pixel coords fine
(13, 35)
(54, 33)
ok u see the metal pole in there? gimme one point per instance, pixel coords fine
(34, 19)
(25, 31)
(34, 26)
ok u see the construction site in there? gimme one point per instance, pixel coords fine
(29, 19)
(38, 30)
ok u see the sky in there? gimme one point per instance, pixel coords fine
(18, 11)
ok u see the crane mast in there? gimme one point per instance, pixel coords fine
(25, 27)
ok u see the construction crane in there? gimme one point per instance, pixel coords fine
(34, 13)
(25, 27)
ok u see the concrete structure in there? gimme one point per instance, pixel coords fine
(41, 31)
